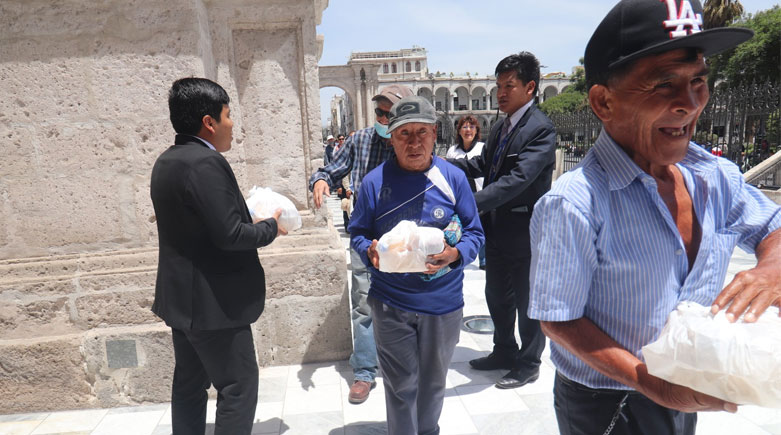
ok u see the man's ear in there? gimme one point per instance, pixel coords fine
(530, 89)
(599, 98)
(207, 122)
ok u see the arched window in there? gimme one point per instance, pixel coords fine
(408, 67)
(385, 68)
(417, 65)
(393, 68)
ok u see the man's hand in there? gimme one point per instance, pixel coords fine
(280, 230)
(682, 398)
(318, 190)
(349, 193)
(753, 290)
(374, 256)
(438, 261)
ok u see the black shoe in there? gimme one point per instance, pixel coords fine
(482, 267)
(491, 362)
(517, 378)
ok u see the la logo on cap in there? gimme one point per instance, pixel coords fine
(681, 19)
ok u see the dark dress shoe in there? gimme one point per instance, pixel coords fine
(491, 362)
(517, 378)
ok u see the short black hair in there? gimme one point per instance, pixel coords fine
(525, 65)
(192, 98)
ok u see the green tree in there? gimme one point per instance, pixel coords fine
(566, 102)
(756, 60)
(579, 78)
(721, 13)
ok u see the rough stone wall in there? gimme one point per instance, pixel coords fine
(84, 117)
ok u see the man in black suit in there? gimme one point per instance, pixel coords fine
(517, 164)
(210, 284)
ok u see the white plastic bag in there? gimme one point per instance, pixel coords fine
(738, 362)
(405, 247)
(262, 202)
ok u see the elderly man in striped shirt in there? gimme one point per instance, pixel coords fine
(646, 221)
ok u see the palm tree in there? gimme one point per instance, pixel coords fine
(721, 13)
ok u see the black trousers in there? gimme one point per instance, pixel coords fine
(581, 410)
(507, 296)
(225, 358)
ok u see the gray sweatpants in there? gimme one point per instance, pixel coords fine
(414, 351)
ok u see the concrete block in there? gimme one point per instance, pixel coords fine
(115, 309)
(296, 330)
(42, 375)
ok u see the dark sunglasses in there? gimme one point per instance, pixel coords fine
(380, 113)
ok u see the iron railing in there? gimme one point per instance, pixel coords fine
(742, 124)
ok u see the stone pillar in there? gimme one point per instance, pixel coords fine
(85, 86)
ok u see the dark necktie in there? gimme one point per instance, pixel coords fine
(504, 137)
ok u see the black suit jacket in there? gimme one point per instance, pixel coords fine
(524, 175)
(208, 276)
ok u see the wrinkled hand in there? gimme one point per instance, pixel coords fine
(683, 398)
(318, 190)
(276, 215)
(751, 292)
(349, 193)
(438, 261)
(374, 256)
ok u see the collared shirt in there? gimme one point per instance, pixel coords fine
(605, 246)
(515, 117)
(361, 153)
(208, 144)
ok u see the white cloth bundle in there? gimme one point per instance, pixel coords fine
(262, 202)
(405, 247)
(738, 362)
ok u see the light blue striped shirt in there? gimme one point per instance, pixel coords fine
(605, 246)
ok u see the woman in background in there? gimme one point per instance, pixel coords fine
(469, 145)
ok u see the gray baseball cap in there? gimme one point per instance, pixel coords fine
(411, 109)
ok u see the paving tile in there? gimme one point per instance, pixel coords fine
(268, 418)
(70, 421)
(272, 389)
(129, 423)
(317, 423)
(36, 416)
(326, 398)
(722, 423)
(455, 420)
(22, 427)
(482, 399)
(314, 375)
(369, 412)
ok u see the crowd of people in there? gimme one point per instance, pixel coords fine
(595, 262)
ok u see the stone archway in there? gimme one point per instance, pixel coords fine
(359, 82)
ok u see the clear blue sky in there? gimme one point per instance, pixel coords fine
(462, 36)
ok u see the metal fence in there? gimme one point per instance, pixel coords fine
(742, 124)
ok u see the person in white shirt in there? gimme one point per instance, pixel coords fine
(468, 146)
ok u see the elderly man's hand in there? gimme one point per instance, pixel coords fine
(753, 290)
(318, 190)
(683, 398)
(438, 261)
(374, 256)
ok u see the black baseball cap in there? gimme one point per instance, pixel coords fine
(639, 28)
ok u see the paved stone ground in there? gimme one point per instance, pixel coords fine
(311, 399)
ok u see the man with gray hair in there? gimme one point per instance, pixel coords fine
(417, 316)
(646, 221)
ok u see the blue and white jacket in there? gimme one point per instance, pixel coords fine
(389, 195)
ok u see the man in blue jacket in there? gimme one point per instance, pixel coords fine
(416, 316)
